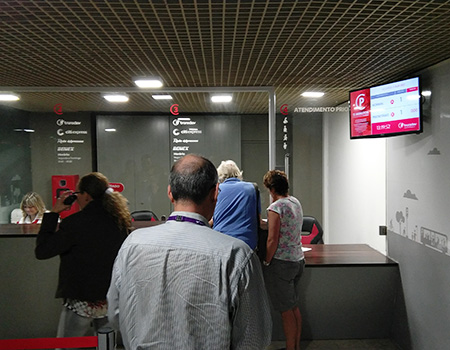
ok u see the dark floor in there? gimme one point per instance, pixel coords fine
(355, 344)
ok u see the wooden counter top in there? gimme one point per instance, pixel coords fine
(344, 254)
(319, 255)
(16, 230)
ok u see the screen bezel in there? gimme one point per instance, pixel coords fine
(384, 135)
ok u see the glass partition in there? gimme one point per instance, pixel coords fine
(15, 160)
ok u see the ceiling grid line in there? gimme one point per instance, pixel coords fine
(333, 46)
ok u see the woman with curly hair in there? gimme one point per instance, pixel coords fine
(284, 262)
(87, 243)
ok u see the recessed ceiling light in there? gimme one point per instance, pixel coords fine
(9, 97)
(148, 82)
(116, 97)
(426, 93)
(24, 130)
(110, 130)
(221, 98)
(312, 94)
(162, 97)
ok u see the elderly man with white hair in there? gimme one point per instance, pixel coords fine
(238, 208)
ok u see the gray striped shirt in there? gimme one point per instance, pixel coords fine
(181, 285)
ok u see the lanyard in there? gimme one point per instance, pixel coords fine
(181, 218)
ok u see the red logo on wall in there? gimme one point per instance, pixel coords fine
(284, 109)
(58, 108)
(174, 109)
(361, 102)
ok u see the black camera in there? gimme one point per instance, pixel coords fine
(70, 199)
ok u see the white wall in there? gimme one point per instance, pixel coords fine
(418, 201)
(354, 185)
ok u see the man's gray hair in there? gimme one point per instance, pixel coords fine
(228, 169)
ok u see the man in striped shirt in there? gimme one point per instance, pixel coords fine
(182, 285)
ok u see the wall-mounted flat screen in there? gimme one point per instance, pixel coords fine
(386, 110)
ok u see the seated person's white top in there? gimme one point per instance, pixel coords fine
(16, 215)
(29, 220)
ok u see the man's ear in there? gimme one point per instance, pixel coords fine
(215, 192)
(169, 194)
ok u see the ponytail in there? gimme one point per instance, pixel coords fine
(97, 185)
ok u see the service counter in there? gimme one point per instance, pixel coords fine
(347, 290)
(28, 308)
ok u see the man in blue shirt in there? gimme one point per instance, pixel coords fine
(238, 208)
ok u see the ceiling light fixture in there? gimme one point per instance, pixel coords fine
(148, 82)
(162, 97)
(221, 98)
(426, 93)
(24, 130)
(110, 130)
(6, 96)
(312, 94)
(116, 97)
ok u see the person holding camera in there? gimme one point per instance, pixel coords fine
(87, 243)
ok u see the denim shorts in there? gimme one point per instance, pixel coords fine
(282, 279)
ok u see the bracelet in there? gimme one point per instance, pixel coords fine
(265, 263)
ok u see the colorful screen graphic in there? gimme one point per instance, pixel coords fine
(386, 110)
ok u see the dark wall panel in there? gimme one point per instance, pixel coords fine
(70, 130)
(136, 155)
(140, 153)
(306, 162)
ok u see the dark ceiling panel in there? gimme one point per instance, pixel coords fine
(294, 46)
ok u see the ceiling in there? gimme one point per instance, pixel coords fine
(68, 52)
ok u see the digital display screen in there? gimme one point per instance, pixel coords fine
(386, 110)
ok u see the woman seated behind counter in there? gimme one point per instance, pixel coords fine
(33, 209)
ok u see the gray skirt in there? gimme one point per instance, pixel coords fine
(282, 279)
